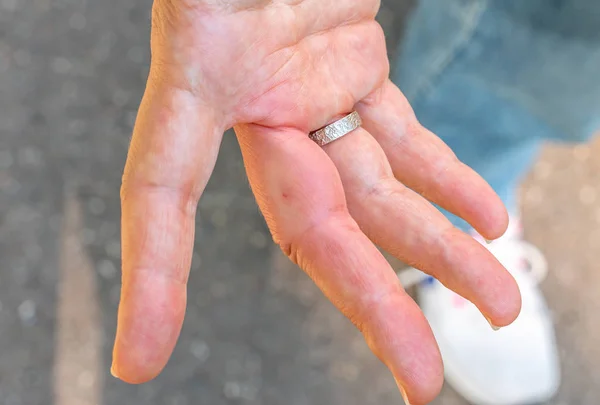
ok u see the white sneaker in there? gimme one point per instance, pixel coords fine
(517, 365)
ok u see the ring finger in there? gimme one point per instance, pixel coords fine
(405, 224)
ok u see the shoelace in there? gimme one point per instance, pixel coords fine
(508, 251)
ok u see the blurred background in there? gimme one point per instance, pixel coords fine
(257, 331)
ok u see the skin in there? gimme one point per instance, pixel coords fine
(276, 70)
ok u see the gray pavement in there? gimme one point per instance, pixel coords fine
(257, 332)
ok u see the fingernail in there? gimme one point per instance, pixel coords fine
(404, 396)
(496, 328)
(113, 372)
(403, 392)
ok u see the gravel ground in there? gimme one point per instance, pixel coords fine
(257, 332)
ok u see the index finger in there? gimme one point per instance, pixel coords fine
(172, 155)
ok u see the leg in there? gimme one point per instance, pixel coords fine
(494, 85)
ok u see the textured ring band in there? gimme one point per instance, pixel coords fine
(338, 129)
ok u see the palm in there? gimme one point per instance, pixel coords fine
(295, 65)
(275, 70)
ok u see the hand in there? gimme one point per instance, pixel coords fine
(275, 70)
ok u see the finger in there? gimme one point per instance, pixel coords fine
(172, 155)
(413, 230)
(421, 161)
(300, 194)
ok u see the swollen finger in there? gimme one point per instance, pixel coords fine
(301, 196)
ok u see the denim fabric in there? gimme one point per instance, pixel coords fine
(496, 78)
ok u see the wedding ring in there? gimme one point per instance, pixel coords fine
(338, 129)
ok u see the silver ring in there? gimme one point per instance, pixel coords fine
(338, 129)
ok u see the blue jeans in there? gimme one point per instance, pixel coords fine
(496, 78)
